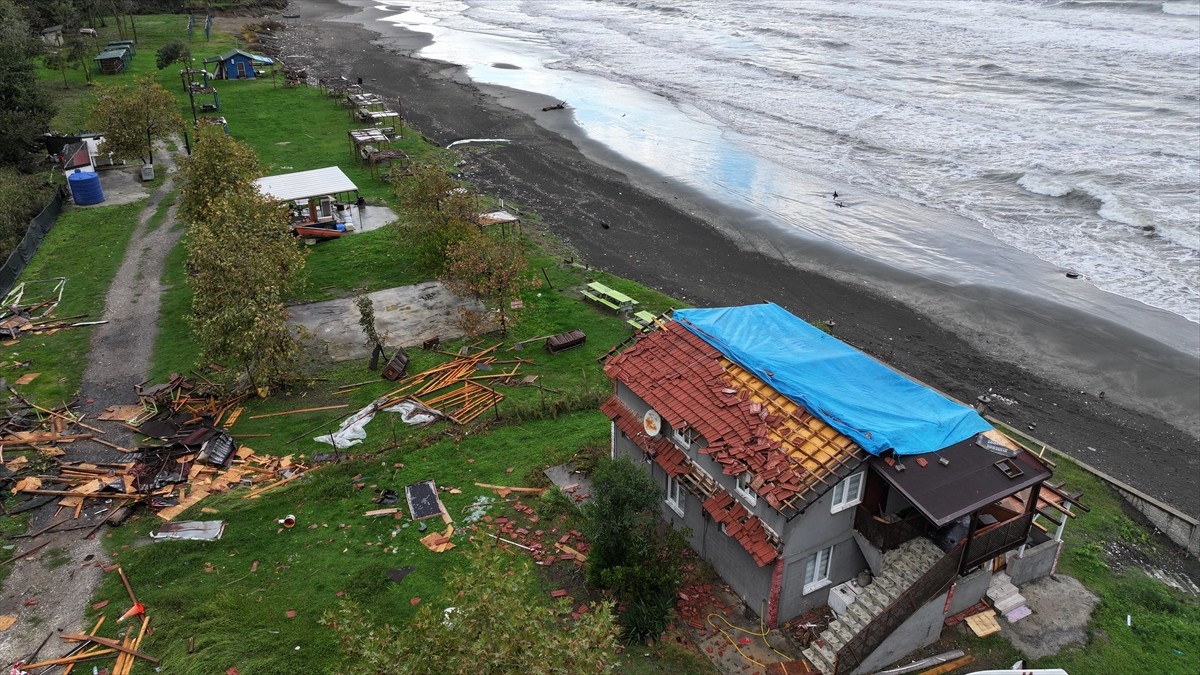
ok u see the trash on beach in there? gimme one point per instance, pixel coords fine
(479, 140)
(559, 106)
(197, 530)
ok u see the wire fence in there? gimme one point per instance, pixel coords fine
(39, 227)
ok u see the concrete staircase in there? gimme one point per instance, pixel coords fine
(1006, 598)
(901, 567)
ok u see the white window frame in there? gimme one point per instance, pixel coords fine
(842, 499)
(682, 436)
(675, 495)
(743, 488)
(813, 568)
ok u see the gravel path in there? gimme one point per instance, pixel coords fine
(63, 576)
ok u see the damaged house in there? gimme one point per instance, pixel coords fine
(810, 474)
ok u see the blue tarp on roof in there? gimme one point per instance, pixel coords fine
(857, 395)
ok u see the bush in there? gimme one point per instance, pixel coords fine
(633, 553)
(172, 51)
(23, 197)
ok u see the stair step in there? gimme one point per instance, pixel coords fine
(1000, 591)
(1010, 603)
(1018, 614)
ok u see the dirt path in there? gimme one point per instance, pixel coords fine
(63, 576)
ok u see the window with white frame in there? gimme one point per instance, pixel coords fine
(683, 436)
(847, 493)
(816, 574)
(675, 495)
(743, 488)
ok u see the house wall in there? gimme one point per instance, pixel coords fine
(969, 590)
(814, 529)
(1038, 561)
(751, 582)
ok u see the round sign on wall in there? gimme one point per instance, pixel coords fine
(651, 423)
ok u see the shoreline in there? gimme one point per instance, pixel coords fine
(572, 184)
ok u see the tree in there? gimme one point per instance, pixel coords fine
(80, 52)
(496, 626)
(172, 51)
(242, 261)
(628, 554)
(133, 117)
(436, 213)
(58, 60)
(25, 111)
(492, 271)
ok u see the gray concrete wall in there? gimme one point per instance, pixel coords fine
(751, 582)
(847, 561)
(1036, 563)
(969, 590)
(871, 555)
(923, 628)
(1179, 527)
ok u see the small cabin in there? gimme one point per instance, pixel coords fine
(127, 44)
(236, 64)
(52, 36)
(113, 61)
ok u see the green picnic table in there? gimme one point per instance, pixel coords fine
(608, 297)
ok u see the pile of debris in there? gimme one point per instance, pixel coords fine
(522, 528)
(188, 456)
(454, 388)
(21, 316)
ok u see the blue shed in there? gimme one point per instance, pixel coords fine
(236, 64)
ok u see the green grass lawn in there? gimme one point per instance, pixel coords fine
(86, 246)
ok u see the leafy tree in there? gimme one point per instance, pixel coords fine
(79, 52)
(436, 214)
(491, 270)
(172, 51)
(242, 260)
(133, 117)
(25, 111)
(58, 60)
(629, 555)
(496, 627)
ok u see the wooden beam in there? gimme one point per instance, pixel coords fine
(302, 410)
(109, 643)
(81, 656)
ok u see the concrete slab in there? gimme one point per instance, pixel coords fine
(121, 185)
(370, 218)
(1061, 608)
(576, 485)
(405, 316)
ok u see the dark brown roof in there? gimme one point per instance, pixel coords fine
(972, 479)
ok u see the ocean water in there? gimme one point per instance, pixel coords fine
(1001, 142)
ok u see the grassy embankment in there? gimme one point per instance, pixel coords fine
(238, 616)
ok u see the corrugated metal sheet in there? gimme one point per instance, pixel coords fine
(304, 184)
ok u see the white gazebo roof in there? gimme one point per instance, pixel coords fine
(304, 184)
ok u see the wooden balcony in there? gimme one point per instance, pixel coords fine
(887, 532)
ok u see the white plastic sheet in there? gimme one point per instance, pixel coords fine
(353, 430)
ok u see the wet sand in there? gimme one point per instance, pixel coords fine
(685, 244)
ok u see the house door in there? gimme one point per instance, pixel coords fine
(241, 69)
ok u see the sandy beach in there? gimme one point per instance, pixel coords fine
(1046, 368)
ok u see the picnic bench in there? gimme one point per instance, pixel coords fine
(601, 294)
(643, 320)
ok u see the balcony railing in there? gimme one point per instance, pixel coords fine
(885, 535)
(931, 584)
(993, 540)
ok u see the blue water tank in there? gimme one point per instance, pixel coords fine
(85, 187)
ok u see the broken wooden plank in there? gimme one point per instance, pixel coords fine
(536, 491)
(302, 410)
(109, 643)
(63, 660)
